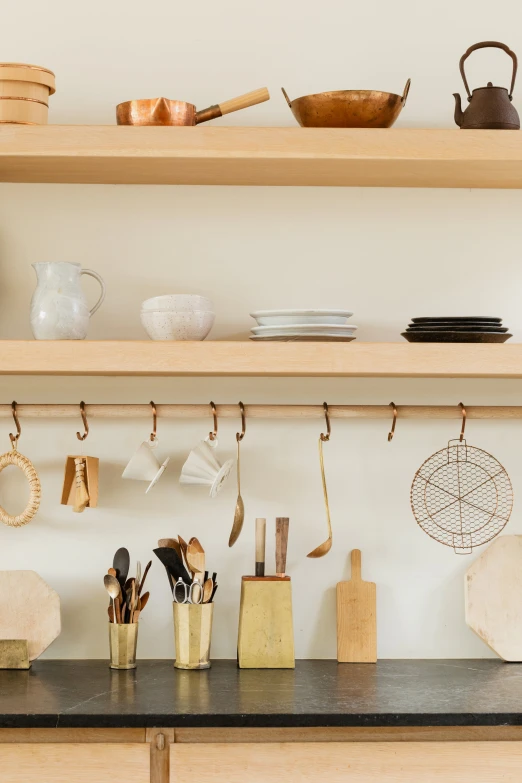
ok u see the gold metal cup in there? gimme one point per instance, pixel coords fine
(123, 641)
(193, 631)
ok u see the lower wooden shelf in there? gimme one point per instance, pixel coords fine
(221, 358)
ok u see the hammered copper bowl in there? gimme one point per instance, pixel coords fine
(348, 108)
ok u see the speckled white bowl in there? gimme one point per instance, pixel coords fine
(179, 303)
(165, 325)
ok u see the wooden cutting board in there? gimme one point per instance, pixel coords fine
(356, 617)
(493, 590)
(30, 610)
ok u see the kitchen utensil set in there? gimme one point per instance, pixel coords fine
(459, 329)
(127, 600)
(185, 564)
(303, 325)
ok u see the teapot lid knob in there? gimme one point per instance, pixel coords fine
(490, 84)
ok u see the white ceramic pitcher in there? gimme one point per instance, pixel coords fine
(59, 308)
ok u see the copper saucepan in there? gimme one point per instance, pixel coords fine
(162, 111)
(348, 108)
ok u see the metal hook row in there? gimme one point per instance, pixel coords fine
(394, 421)
(213, 434)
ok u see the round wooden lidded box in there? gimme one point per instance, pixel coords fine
(24, 93)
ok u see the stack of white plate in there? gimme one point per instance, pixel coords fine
(306, 325)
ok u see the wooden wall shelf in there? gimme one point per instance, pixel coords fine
(215, 358)
(261, 156)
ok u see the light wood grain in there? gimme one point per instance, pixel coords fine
(220, 358)
(244, 101)
(356, 617)
(73, 735)
(434, 762)
(160, 741)
(229, 411)
(206, 155)
(352, 734)
(74, 763)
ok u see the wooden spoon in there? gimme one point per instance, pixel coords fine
(208, 589)
(196, 559)
(143, 601)
(110, 612)
(325, 547)
(239, 513)
(183, 546)
(112, 572)
(147, 568)
(113, 588)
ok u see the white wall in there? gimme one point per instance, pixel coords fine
(388, 254)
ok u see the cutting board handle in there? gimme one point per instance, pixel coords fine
(356, 565)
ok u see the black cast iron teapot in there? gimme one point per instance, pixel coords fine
(489, 107)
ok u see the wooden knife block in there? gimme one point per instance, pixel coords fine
(266, 629)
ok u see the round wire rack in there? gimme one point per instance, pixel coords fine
(462, 496)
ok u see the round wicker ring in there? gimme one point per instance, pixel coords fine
(26, 466)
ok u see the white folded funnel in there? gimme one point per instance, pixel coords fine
(202, 467)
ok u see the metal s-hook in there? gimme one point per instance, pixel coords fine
(14, 438)
(241, 435)
(394, 422)
(85, 424)
(464, 414)
(154, 422)
(213, 435)
(326, 437)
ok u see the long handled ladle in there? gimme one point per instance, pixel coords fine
(325, 547)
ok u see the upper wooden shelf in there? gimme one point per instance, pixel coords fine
(215, 358)
(261, 156)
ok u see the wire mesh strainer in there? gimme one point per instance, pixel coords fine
(461, 496)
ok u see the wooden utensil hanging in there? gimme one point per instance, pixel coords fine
(80, 485)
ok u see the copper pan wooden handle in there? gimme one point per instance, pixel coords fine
(406, 92)
(234, 104)
(244, 101)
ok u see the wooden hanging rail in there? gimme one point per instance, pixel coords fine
(231, 411)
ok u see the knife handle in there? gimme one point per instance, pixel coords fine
(260, 546)
(282, 524)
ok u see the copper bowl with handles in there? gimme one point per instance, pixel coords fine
(348, 108)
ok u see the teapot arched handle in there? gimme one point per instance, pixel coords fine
(97, 277)
(483, 45)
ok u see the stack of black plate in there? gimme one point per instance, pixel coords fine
(462, 329)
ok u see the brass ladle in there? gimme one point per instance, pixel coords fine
(325, 547)
(239, 514)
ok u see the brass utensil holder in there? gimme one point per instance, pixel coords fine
(193, 632)
(14, 654)
(266, 629)
(123, 641)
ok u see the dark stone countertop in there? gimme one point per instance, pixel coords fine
(318, 693)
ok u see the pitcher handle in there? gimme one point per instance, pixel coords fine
(97, 277)
(482, 45)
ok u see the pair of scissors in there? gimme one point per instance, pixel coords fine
(187, 594)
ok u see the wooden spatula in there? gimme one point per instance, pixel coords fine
(356, 617)
(196, 559)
